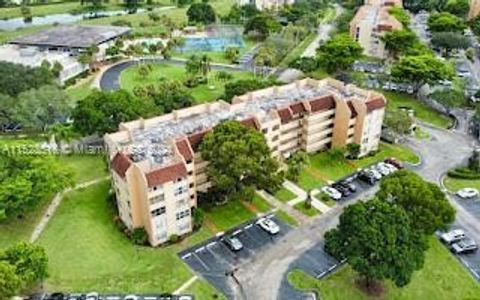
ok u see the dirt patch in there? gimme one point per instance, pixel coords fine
(373, 288)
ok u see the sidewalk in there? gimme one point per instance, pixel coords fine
(54, 205)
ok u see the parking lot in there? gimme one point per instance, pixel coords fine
(112, 297)
(216, 262)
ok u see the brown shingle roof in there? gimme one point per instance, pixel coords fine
(374, 104)
(184, 149)
(120, 164)
(285, 114)
(322, 103)
(297, 108)
(384, 27)
(352, 109)
(166, 174)
(196, 138)
(250, 122)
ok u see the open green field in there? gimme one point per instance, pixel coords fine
(285, 195)
(202, 93)
(87, 252)
(228, 215)
(455, 184)
(86, 168)
(80, 90)
(442, 278)
(311, 212)
(323, 168)
(422, 111)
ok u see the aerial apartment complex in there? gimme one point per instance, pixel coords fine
(157, 169)
(371, 22)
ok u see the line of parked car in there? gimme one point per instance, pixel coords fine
(459, 242)
(96, 296)
(370, 175)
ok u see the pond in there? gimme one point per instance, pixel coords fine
(15, 23)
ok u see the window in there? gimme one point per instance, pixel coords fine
(180, 190)
(157, 199)
(265, 130)
(179, 179)
(158, 211)
(276, 127)
(191, 185)
(192, 197)
(275, 138)
(182, 214)
(190, 173)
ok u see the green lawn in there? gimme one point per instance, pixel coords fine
(228, 215)
(80, 90)
(311, 212)
(422, 111)
(261, 204)
(455, 184)
(285, 195)
(327, 201)
(298, 50)
(442, 278)
(285, 217)
(87, 252)
(202, 290)
(202, 93)
(85, 167)
(323, 168)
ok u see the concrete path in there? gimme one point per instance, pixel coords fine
(302, 196)
(54, 205)
(301, 218)
(323, 31)
(186, 285)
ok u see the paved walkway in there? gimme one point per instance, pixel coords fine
(54, 205)
(302, 196)
(323, 32)
(301, 218)
(186, 285)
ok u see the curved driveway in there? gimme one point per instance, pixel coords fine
(110, 78)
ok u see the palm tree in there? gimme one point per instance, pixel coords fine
(205, 65)
(61, 133)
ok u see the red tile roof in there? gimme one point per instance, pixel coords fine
(297, 108)
(196, 138)
(250, 122)
(120, 164)
(184, 148)
(352, 109)
(374, 104)
(166, 174)
(322, 103)
(285, 114)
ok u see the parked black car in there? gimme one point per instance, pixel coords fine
(349, 185)
(367, 177)
(345, 191)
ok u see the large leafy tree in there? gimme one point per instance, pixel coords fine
(30, 261)
(421, 69)
(101, 112)
(399, 41)
(444, 21)
(399, 121)
(15, 78)
(239, 161)
(339, 53)
(25, 181)
(378, 242)
(10, 283)
(167, 95)
(448, 41)
(459, 8)
(38, 108)
(262, 25)
(201, 13)
(424, 202)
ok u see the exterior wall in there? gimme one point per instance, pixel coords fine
(474, 9)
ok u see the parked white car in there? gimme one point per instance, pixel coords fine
(453, 236)
(382, 169)
(92, 296)
(332, 193)
(131, 297)
(375, 173)
(467, 193)
(464, 246)
(268, 225)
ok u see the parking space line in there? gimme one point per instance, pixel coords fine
(321, 275)
(211, 244)
(332, 267)
(237, 232)
(200, 249)
(149, 298)
(248, 226)
(202, 262)
(187, 255)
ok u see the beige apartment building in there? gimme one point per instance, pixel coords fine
(157, 169)
(369, 24)
(474, 9)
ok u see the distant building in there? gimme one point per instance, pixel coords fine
(157, 169)
(266, 4)
(380, 3)
(61, 43)
(474, 9)
(369, 24)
